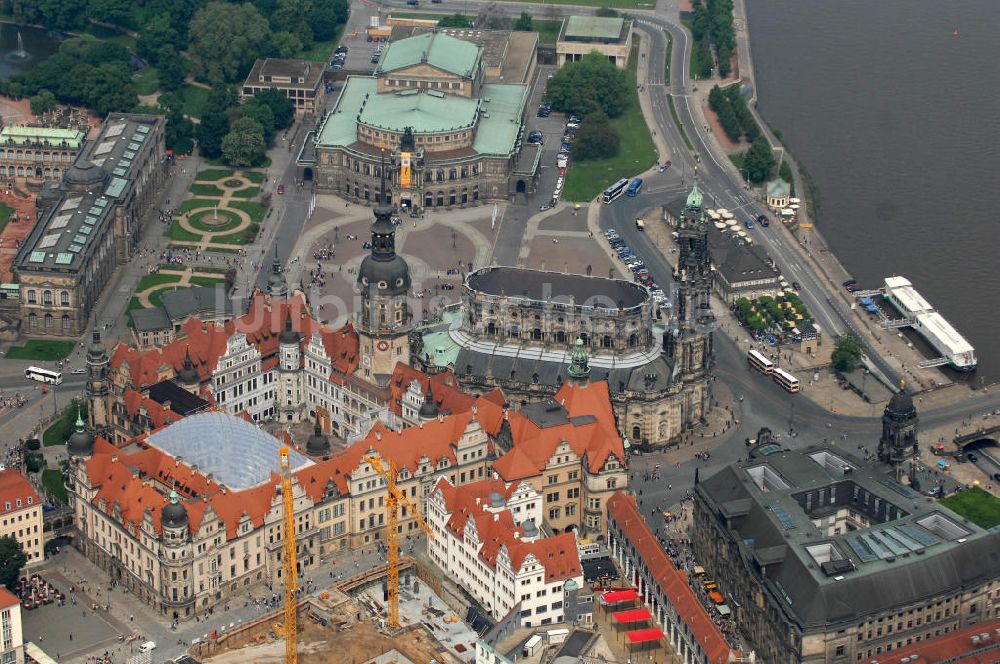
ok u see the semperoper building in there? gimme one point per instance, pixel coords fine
(446, 134)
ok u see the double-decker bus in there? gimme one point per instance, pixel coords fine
(43, 375)
(633, 188)
(614, 191)
(757, 361)
(787, 381)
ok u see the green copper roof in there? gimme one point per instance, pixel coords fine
(579, 368)
(52, 136)
(426, 111)
(694, 198)
(778, 188)
(499, 114)
(593, 28)
(434, 48)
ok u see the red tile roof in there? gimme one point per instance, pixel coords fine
(206, 343)
(597, 440)
(954, 648)
(157, 414)
(7, 598)
(13, 487)
(622, 509)
(447, 393)
(496, 530)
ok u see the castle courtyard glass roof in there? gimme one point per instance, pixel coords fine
(234, 451)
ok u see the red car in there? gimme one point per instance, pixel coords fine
(281, 189)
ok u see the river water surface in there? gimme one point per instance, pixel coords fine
(892, 109)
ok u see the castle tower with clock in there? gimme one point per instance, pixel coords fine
(384, 321)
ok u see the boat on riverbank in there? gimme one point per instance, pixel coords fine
(955, 350)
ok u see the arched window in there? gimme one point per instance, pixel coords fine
(536, 334)
(633, 339)
(32, 321)
(47, 297)
(491, 329)
(64, 298)
(560, 337)
(65, 323)
(452, 174)
(48, 321)
(32, 297)
(606, 341)
(636, 433)
(440, 176)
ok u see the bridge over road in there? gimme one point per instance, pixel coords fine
(991, 433)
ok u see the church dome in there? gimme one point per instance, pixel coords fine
(901, 403)
(318, 443)
(81, 441)
(387, 277)
(174, 515)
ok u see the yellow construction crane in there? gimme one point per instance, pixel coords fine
(393, 501)
(288, 560)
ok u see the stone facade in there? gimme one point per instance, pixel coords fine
(89, 225)
(38, 153)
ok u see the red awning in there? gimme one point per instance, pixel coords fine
(717, 597)
(616, 596)
(644, 635)
(632, 615)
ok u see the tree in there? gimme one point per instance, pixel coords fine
(172, 69)
(214, 123)
(704, 51)
(281, 107)
(157, 34)
(118, 12)
(285, 44)
(326, 17)
(524, 23)
(12, 560)
(590, 84)
(291, 16)
(596, 138)
(261, 112)
(759, 161)
(42, 102)
(225, 39)
(455, 21)
(606, 12)
(244, 144)
(110, 88)
(179, 130)
(846, 354)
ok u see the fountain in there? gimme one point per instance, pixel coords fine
(20, 53)
(215, 214)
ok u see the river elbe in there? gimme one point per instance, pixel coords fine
(891, 108)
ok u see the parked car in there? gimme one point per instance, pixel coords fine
(748, 223)
(796, 285)
(77, 372)
(572, 125)
(341, 49)
(281, 189)
(575, 118)
(850, 282)
(148, 646)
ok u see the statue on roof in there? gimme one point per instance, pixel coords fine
(407, 143)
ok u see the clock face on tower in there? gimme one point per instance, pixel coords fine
(382, 345)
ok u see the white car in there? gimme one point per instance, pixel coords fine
(77, 372)
(572, 125)
(148, 646)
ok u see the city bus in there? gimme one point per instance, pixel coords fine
(614, 191)
(787, 381)
(43, 375)
(633, 188)
(757, 361)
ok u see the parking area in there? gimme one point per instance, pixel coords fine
(359, 49)
(637, 267)
(551, 129)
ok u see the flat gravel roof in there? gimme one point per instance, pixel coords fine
(548, 286)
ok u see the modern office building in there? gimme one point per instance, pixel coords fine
(580, 35)
(88, 225)
(824, 558)
(299, 80)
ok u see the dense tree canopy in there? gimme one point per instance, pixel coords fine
(596, 138)
(759, 161)
(523, 23)
(214, 123)
(225, 40)
(846, 354)
(281, 107)
(12, 560)
(455, 21)
(590, 84)
(244, 145)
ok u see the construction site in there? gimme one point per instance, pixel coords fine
(350, 619)
(390, 613)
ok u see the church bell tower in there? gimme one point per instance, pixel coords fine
(384, 321)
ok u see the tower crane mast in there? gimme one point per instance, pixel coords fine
(288, 565)
(394, 499)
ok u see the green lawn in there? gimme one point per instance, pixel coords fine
(60, 430)
(548, 30)
(254, 176)
(46, 350)
(214, 174)
(428, 16)
(147, 81)
(253, 208)
(249, 192)
(111, 35)
(694, 66)
(155, 298)
(176, 232)
(202, 189)
(616, 4)
(636, 153)
(151, 280)
(666, 62)
(194, 204)
(199, 280)
(976, 505)
(677, 121)
(194, 100)
(52, 480)
(5, 212)
(245, 236)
